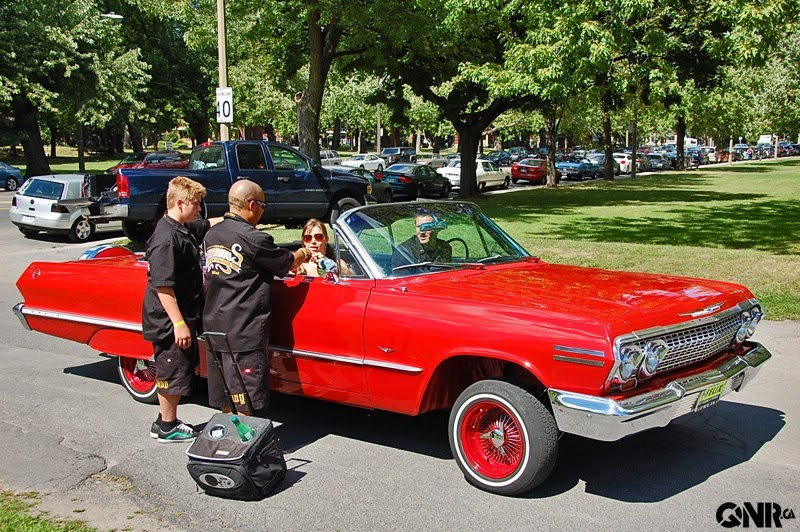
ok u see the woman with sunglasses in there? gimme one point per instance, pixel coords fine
(315, 240)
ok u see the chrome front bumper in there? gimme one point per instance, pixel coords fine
(606, 419)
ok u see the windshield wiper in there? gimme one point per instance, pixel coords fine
(494, 258)
(427, 264)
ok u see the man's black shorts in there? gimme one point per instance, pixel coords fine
(175, 367)
(255, 373)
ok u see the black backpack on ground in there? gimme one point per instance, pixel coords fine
(220, 462)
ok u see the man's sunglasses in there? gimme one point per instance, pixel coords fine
(319, 237)
(262, 204)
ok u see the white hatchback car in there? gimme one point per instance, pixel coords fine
(36, 207)
(625, 161)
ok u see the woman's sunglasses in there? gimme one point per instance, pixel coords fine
(319, 237)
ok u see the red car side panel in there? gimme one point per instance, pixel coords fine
(320, 322)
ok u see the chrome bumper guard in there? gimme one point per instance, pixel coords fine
(605, 419)
(18, 312)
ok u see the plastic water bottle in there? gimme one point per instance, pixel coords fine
(326, 266)
(246, 432)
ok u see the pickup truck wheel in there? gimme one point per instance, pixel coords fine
(81, 231)
(344, 204)
(138, 231)
(504, 440)
(138, 376)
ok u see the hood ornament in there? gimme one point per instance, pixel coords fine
(708, 310)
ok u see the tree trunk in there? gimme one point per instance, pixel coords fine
(680, 131)
(26, 123)
(635, 150)
(607, 143)
(551, 130)
(468, 139)
(323, 44)
(53, 139)
(337, 134)
(136, 138)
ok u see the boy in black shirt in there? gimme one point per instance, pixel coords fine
(173, 303)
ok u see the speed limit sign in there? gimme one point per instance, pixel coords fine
(224, 105)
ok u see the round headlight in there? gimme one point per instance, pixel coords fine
(755, 318)
(629, 359)
(654, 353)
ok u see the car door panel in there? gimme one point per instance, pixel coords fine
(317, 334)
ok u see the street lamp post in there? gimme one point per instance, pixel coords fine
(222, 54)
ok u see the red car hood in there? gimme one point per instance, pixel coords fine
(618, 299)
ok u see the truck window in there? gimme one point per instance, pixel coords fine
(284, 159)
(251, 157)
(208, 157)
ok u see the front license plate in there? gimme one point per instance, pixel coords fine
(28, 219)
(709, 396)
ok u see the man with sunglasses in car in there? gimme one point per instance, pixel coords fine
(425, 246)
(241, 262)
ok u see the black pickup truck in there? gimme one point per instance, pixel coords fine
(296, 188)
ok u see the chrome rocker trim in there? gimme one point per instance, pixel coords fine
(21, 311)
(606, 419)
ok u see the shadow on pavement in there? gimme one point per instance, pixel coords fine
(659, 464)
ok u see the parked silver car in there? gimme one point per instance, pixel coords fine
(37, 207)
(329, 158)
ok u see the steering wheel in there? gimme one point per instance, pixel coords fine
(462, 242)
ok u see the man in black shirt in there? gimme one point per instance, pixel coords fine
(425, 245)
(173, 303)
(241, 263)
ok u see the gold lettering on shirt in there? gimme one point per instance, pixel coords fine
(220, 259)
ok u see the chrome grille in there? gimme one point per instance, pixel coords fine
(697, 343)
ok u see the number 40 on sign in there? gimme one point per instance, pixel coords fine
(224, 105)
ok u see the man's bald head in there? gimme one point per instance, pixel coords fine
(243, 199)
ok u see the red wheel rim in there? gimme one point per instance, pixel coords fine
(140, 374)
(492, 440)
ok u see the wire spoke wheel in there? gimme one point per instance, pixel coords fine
(492, 440)
(138, 376)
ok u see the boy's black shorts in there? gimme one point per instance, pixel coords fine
(255, 373)
(175, 367)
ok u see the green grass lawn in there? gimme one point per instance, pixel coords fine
(14, 515)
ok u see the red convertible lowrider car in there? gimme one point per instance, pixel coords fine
(517, 349)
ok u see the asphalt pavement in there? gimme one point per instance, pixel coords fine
(70, 432)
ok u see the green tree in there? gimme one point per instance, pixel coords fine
(62, 58)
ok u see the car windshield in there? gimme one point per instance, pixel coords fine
(388, 236)
(531, 162)
(357, 157)
(455, 163)
(39, 188)
(405, 169)
(132, 158)
(390, 151)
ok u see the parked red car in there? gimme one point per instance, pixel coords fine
(533, 170)
(158, 159)
(517, 349)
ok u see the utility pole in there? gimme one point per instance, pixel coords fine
(222, 55)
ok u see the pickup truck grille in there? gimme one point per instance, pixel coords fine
(695, 344)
